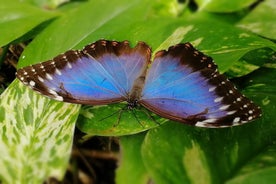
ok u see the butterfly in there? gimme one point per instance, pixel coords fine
(181, 84)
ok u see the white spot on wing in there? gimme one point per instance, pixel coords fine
(230, 112)
(224, 107)
(58, 98)
(203, 123)
(212, 89)
(52, 92)
(58, 72)
(49, 76)
(236, 120)
(40, 79)
(32, 83)
(219, 99)
(69, 65)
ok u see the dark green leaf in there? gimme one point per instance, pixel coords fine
(262, 20)
(175, 153)
(18, 18)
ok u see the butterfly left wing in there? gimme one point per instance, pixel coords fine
(184, 85)
(102, 73)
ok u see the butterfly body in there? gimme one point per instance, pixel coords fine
(181, 84)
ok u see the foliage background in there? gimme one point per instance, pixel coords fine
(37, 133)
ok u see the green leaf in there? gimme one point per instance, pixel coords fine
(175, 153)
(223, 5)
(36, 136)
(252, 61)
(261, 20)
(260, 169)
(172, 154)
(131, 168)
(63, 33)
(18, 18)
(116, 120)
(48, 4)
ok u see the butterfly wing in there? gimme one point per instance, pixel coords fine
(184, 85)
(101, 73)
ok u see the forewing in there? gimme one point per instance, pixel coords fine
(103, 72)
(184, 85)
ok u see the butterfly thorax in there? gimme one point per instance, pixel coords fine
(136, 91)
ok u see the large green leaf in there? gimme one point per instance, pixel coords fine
(131, 168)
(36, 136)
(261, 169)
(174, 153)
(18, 18)
(261, 20)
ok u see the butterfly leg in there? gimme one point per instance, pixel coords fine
(148, 113)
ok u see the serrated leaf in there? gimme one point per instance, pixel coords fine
(36, 136)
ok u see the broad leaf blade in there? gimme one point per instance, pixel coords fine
(131, 168)
(214, 154)
(260, 169)
(18, 18)
(36, 136)
(261, 20)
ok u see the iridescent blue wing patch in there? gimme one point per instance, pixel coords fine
(101, 73)
(184, 85)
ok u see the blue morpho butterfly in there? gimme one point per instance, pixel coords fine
(181, 84)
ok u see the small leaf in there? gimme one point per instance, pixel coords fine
(116, 120)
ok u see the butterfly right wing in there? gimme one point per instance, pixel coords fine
(184, 85)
